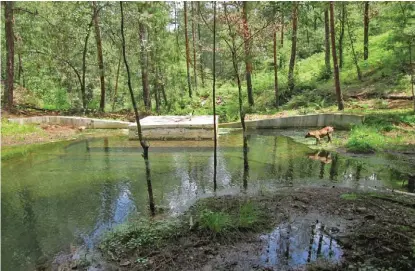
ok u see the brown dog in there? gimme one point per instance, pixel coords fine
(318, 134)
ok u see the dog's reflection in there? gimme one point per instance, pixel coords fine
(321, 155)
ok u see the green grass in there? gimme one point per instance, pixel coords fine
(215, 222)
(15, 129)
(349, 196)
(249, 216)
(366, 139)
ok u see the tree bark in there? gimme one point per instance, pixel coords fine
(9, 21)
(202, 76)
(189, 85)
(366, 32)
(143, 143)
(355, 60)
(293, 47)
(144, 64)
(116, 83)
(336, 67)
(247, 47)
(275, 71)
(20, 75)
(194, 45)
(327, 41)
(100, 57)
(341, 37)
(215, 136)
(282, 29)
(83, 93)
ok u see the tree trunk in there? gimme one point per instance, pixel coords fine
(327, 41)
(202, 76)
(293, 48)
(9, 21)
(194, 45)
(247, 47)
(143, 143)
(355, 60)
(83, 93)
(20, 75)
(282, 29)
(215, 136)
(116, 83)
(189, 85)
(144, 64)
(100, 57)
(341, 37)
(411, 70)
(366, 32)
(336, 67)
(275, 70)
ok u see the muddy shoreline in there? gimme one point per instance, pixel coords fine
(369, 230)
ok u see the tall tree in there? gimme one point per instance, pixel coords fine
(293, 47)
(335, 65)
(189, 85)
(144, 65)
(355, 59)
(366, 32)
(144, 144)
(247, 47)
(100, 57)
(215, 160)
(9, 20)
(194, 44)
(327, 41)
(341, 36)
(84, 53)
(275, 70)
(202, 76)
(117, 75)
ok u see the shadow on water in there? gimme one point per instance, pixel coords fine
(76, 191)
(298, 243)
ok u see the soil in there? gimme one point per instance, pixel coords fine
(373, 231)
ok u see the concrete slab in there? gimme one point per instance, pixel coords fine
(337, 120)
(175, 127)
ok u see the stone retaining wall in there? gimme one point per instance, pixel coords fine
(337, 120)
(89, 123)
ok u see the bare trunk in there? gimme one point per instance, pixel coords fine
(100, 57)
(83, 92)
(9, 20)
(327, 41)
(215, 162)
(341, 37)
(144, 69)
(355, 60)
(20, 75)
(282, 29)
(116, 83)
(202, 76)
(366, 32)
(275, 70)
(336, 67)
(411, 70)
(194, 45)
(247, 47)
(143, 143)
(293, 48)
(189, 85)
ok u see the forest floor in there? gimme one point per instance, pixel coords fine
(324, 228)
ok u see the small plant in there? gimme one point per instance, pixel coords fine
(365, 139)
(248, 216)
(349, 196)
(216, 222)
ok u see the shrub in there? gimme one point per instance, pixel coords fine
(248, 216)
(215, 222)
(365, 139)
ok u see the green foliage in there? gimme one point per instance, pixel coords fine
(18, 130)
(215, 222)
(248, 216)
(365, 139)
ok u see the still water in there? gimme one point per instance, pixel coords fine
(71, 192)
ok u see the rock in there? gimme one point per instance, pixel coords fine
(81, 128)
(125, 263)
(370, 217)
(361, 209)
(334, 230)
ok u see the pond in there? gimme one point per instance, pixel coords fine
(69, 193)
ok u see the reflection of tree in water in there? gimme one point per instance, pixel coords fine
(322, 167)
(274, 157)
(246, 162)
(359, 167)
(290, 171)
(334, 168)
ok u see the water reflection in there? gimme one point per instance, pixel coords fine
(298, 243)
(75, 191)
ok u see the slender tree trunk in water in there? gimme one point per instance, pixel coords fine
(247, 46)
(194, 45)
(215, 162)
(116, 83)
(336, 67)
(232, 47)
(275, 70)
(327, 41)
(293, 48)
(100, 57)
(144, 66)
(202, 76)
(189, 85)
(9, 20)
(143, 143)
(341, 37)
(355, 60)
(366, 32)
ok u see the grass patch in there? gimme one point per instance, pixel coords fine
(349, 196)
(15, 129)
(215, 222)
(365, 139)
